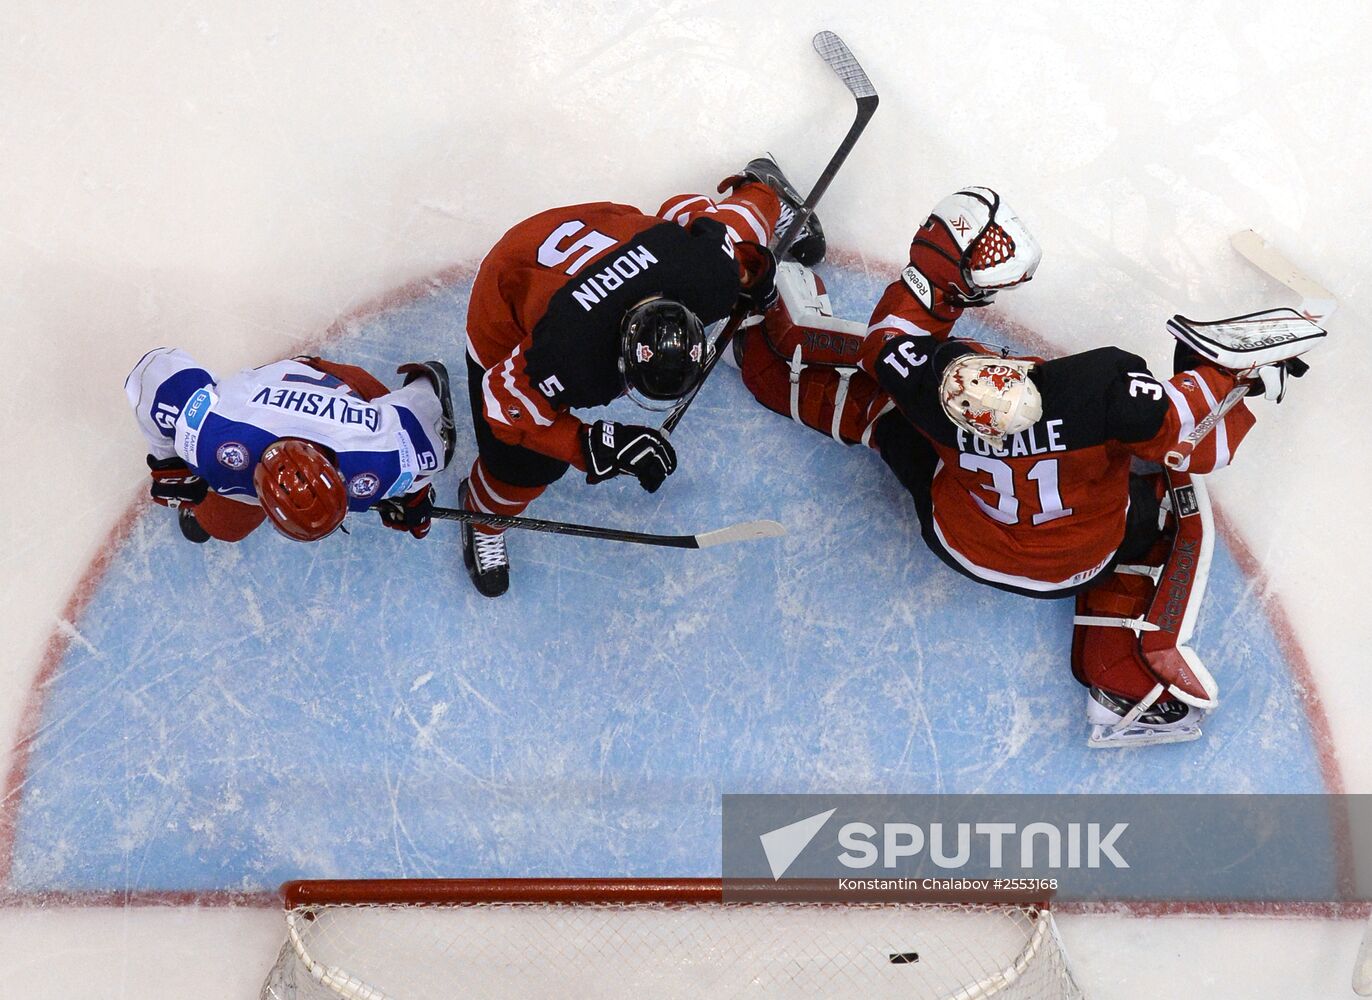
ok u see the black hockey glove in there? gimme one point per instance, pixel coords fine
(759, 288)
(174, 484)
(642, 452)
(412, 512)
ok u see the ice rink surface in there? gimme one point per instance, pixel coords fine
(246, 184)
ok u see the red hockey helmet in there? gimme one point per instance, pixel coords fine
(301, 489)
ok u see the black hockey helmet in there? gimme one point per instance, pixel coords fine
(662, 352)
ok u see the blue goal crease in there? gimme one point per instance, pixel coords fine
(240, 715)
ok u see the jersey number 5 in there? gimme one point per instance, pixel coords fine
(1044, 473)
(556, 250)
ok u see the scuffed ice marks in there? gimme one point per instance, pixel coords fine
(231, 716)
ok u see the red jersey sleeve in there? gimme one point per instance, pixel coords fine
(900, 312)
(1189, 397)
(749, 214)
(519, 413)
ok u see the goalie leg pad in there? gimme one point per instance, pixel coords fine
(801, 361)
(1131, 630)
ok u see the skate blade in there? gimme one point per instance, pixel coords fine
(1106, 737)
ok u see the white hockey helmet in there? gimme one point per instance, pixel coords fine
(989, 396)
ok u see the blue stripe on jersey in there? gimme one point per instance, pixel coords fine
(426, 456)
(171, 396)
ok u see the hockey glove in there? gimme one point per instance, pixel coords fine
(611, 449)
(174, 484)
(971, 246)
(412, 512)
(759, 276)
(1271, 382)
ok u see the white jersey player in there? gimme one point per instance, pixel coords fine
(300, 442)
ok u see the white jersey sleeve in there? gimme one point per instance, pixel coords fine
(158, 388)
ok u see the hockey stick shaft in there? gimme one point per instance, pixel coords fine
(742, 532)
(841, 60)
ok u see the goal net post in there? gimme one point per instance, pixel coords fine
(415, 939)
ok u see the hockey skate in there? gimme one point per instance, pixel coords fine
(1164, 722)
(488, 562)
(808, 247)
(437, 374)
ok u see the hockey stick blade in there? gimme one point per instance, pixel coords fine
(836, 53)
(745, 531)
(1317, 302)
(1362, 969)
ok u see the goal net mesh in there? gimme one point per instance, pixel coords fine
(432, 948)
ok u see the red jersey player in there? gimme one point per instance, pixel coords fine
(1020, 468)
(580, 305)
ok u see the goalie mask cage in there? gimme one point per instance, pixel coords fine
(415, 939)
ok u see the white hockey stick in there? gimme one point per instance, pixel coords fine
(1362, 969)
(1317, 302)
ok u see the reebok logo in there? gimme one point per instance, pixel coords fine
(784, 844)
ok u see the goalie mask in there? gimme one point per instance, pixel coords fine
(662, 352)
(991, 397)
(982, 242)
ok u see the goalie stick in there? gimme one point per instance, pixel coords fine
(1362, 968)
(841, 60)
(744, 531)
(1317, 302)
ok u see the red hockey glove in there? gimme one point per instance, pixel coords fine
(971, 246)
(412, 512)
(174, 484)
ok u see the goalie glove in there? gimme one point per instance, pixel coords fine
(971, 246)
(1272, 378)
(758, 277)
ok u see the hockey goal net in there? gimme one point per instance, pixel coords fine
(427, 938)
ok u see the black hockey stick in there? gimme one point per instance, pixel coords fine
(744, 531)
(841, 60)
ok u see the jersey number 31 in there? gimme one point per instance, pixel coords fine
(1043, 473)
